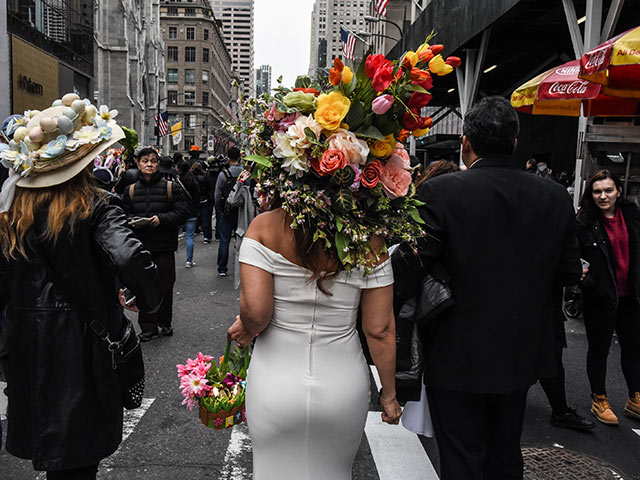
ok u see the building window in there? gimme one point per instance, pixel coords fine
(173, 33)
(205, 55)
(188, 142)
(172, 10)
(172, 97)
(189, 54)
(191, 33)
(190, 76)
(205, 76)
(189, 98)
(206, 34)
(205, 99)
(190, 12)
(172, 54)
(172, 75)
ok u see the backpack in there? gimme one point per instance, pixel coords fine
(225, 207)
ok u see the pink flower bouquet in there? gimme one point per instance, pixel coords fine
(218, 390)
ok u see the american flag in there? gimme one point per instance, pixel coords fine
(381, 7)
(162, 122)
(348, 44)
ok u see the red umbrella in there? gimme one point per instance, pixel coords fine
(615, 65)
(559, 91)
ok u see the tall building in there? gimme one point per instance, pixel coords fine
(263, 80)
(129, 63)
(51, 50)
(237, 29)
(198, 72)
(385, 32)
(326, 19)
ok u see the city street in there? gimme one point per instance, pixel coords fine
(163, 440)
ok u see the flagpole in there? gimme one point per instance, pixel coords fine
(158, 124)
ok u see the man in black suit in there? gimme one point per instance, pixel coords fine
(504, 237)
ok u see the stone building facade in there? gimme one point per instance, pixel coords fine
(263, 80)
(129, 63)
(198, 70)
(238, 27)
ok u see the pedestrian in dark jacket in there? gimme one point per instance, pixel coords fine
(66, 248)
(205, 187)
(160, 207)
(504, 237)
(609, 237)
(228, 221)
(190, 185)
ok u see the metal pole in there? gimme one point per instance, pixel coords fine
(158, 122)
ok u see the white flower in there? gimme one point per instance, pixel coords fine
(298, 165)
(106, 114)
(297, 134)
(87, 134)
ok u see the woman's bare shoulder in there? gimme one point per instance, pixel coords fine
(266, 226)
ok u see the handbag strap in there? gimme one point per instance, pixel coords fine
(95, 325)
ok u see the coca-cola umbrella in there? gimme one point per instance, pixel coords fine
(559, 91)
(615, 65)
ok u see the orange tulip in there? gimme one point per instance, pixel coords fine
(335, 76)
(436, 49)
(403, 135)
(425, 55)
(418, 75)
(337, 64)
(455, 62)
(409, 60)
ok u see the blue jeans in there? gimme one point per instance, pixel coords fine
(225, 229)
(190, 228)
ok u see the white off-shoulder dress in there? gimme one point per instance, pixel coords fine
(308, 383)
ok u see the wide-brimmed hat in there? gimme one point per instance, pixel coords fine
(48, 148)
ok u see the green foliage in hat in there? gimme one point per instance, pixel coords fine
(130, 141)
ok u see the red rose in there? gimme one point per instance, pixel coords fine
(371, 173)
(382, 78)
(373, 63)
(419, 100)
(330, 161)
(412, 120)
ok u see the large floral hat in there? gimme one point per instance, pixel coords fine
(48, 148)
(332, 150)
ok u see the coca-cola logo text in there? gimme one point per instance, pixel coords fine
(574, 88)
(595, 60)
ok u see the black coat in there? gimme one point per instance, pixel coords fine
(64, 397)
(152, 198)
(600, 283)
(504, 236)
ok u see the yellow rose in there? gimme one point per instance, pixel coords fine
(383, 148)
(347, 75)
(331, 110)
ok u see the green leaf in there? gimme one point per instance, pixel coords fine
(418, 203)
(415, 88)
(360, 73)
(310, 135)
(264, 161)
(342, 242)
(279, 79)
(416, 215)
(356, 115)
(303, 81)
(370, 132)
(339, 223)
(349, 89)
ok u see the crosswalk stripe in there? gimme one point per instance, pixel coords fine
(3, 401)
(239, 445)
(636, 430)
(396, 451)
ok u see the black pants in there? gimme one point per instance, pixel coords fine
(554, 387)
(478, 435)
(166, 263)
(600, 321)
(84, 473)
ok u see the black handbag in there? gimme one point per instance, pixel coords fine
(126, 353)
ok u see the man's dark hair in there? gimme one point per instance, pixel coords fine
(147, 151)
(234, 154)
(492, 127)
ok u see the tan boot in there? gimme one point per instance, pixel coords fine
(602, 410)
(632, 408)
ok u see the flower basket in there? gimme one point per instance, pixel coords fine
(219, 391)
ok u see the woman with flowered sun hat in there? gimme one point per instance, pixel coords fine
(65, 246)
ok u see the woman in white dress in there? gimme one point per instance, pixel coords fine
(308, 383)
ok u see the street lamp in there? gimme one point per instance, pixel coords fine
(370, 18)
(369, 34)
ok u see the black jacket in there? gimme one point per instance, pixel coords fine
(504, 236)
(600, 283)
(64, 397)
(152, 198)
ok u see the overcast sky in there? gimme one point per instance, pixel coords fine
(282, 37)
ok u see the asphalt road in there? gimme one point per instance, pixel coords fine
(166, 441)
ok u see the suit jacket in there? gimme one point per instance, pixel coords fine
(505, 237)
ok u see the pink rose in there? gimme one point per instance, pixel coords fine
(354, 150)
(395, 179)
(401, 155)
(382, 104)
(287, 121)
